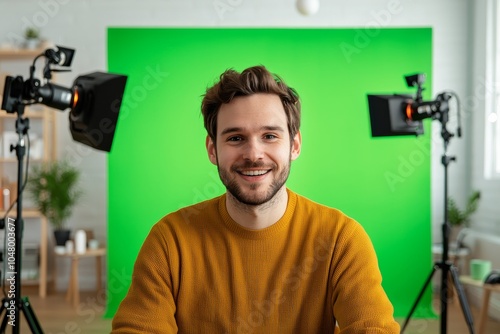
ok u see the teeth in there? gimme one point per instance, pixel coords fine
(254, 172)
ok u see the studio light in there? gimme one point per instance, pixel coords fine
(94, 99)
(388, 116)
(401, 114)
(392, 115)
(96, 102)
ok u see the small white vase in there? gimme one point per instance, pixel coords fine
(80, 242)
(31, 43)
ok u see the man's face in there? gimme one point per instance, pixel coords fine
(253, 150)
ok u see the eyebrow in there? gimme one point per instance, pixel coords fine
(239, 129)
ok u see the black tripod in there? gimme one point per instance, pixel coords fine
(445, 265)
(12, 304)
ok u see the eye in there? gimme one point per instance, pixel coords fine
(270, 136)
(235, 138)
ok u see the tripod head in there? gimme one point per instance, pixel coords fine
(19, 92)
(438, 109)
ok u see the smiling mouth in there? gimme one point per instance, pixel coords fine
(259, 172)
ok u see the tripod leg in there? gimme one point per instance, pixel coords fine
(420, 295)
(463, 299)
(31, 318)
(5, 302)
(4, 324)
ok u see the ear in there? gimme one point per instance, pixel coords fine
(296, 146)
(212, 152)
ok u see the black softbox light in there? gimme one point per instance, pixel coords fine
(93, 118)
(388, 116)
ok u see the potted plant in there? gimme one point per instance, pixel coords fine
(54, 188)
(458, 217)
(32, 38)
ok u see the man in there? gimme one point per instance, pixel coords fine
(260, 258)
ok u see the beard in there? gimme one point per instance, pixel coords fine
(254, 196)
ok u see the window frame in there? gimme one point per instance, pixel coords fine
(492, 98)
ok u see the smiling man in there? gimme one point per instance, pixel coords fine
(260, 258)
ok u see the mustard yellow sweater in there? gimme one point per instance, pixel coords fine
(200, 272)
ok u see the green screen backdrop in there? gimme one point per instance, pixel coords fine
(158, 161)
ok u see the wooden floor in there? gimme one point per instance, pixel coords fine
(57, 316)
(456, 322)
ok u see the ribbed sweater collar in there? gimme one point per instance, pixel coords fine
(269, 232)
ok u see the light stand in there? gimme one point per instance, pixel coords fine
(447, 268)
(95, 101)
(14, 304)
(396, 115)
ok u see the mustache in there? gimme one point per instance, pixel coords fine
(253, 164)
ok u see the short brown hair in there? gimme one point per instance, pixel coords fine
(253, 80)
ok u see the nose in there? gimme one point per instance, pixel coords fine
(253, 150)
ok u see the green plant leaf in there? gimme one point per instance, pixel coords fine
(54, 189)
(456, 216)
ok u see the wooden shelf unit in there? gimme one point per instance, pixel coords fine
(20, 54)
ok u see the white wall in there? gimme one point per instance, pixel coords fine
(82, 24)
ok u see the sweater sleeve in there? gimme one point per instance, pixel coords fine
(360, 304)
(149, 306)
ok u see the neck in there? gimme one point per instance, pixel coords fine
(257, 217)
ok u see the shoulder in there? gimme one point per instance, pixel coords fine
(307, 206)
(189, 218)
(329, 220)
(181, 229)
(194, 213)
